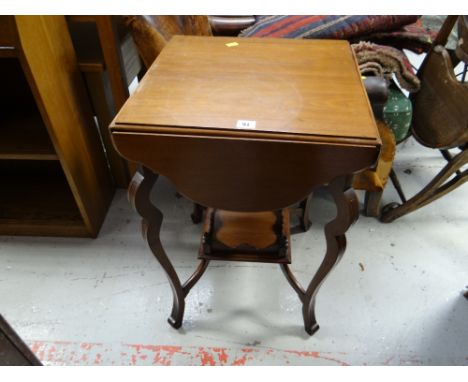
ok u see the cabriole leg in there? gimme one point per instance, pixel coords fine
(347, 207)
(139, 195)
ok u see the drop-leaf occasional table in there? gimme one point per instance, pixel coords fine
(247, 128)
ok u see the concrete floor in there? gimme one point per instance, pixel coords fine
(395, 298)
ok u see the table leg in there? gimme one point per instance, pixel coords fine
(347, 213)
(139, 195)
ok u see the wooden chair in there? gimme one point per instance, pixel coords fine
(440, 121)
(151, 33)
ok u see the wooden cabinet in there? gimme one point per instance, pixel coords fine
(55, 179)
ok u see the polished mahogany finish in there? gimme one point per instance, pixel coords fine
(286, 86)
(246, 236)
(249, 127)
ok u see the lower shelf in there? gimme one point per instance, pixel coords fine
(35, 199)
(23, 136)
(246, 236)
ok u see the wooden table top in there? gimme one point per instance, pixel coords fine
(299, 90)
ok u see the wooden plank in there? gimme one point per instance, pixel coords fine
(91, 67)
(108, 36)
(86, 43)
(35, 199)
(8, 35)
(43, 228)
(7, 51)
(24, 137)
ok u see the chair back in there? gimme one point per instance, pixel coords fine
(440, 108)
(151, 33)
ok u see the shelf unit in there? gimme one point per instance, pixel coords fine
(109, 62)
(55, 178)
(22, 130)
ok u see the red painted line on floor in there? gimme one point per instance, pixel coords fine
(162, 355)
(98, 359)
(388, 360)
(85, 353)
(316, 354)
(206, 357)
(88, 345)
(222, 355)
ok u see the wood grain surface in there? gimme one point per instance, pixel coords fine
(295, 87)
(313, 126)
(49, 62)
(240, 174)
(270, 167)
(255, 229)
(8, 37)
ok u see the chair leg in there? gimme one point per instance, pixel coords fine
(197, 214)
(397, 185)
(465, 70)
(438, 187)
(372, 203)
(305, 207)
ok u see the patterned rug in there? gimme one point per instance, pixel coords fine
(383, 61)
